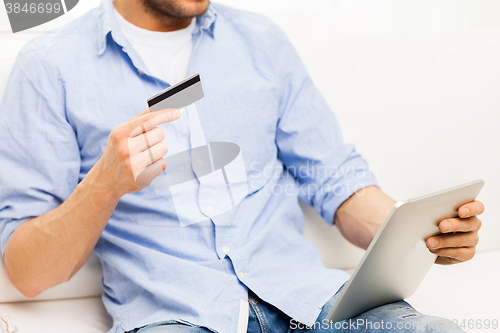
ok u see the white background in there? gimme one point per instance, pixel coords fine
(415, 85)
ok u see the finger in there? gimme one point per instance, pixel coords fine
(460, 239)
(457, 253)
(147, 122)
(471, 209)
(151, 155)
(142, 160)
(135, 122)
(151, 172)
(148, 110)
(446, 261)
(142, 142)
(459, 225)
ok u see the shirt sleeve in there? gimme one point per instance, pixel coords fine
(40, 155)
(310, 142)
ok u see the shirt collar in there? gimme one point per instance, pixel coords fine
(106, 24)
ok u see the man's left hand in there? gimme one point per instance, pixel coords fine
(459, 239)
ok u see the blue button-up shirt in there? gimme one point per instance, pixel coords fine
(69, 88)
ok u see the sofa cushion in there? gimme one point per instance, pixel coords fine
(86, 282)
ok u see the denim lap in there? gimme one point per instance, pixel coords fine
(394, 317)
(266, 318)
(399, 317)
(170, 326)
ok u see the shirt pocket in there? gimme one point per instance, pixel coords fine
(252, 116)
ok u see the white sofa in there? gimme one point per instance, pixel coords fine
(398, 65)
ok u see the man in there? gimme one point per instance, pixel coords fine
(71, 158)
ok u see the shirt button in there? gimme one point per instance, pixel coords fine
(199, 161)
(242, 275)
(210, 209)
(225, 249)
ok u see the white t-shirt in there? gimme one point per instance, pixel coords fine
(165, 54)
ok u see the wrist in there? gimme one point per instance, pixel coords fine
(100, 186)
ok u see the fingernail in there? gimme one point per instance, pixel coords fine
(432, 243)
(177, 113)
(466, 211)
(446, 226)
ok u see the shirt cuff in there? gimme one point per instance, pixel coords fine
(7, 227)
(343, 190)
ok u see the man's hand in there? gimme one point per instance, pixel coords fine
(51, 248)
(133, 156)
(460, 237)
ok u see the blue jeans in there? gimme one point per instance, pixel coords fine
(265, 318)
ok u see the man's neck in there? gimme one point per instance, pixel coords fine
(135, 13)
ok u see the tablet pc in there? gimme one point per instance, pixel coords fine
(398, 259)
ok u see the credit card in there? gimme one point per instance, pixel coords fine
(178, 96)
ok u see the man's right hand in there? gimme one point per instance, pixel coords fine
(127, 164)
(51, 248)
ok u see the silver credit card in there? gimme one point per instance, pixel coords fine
(178, 96)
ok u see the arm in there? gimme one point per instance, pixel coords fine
(49, 222)
(51, 248)
(310, 144)
(329, 171)
(360, 216)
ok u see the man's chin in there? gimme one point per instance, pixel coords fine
(186, 8)
(180, 9)
(200, 11)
